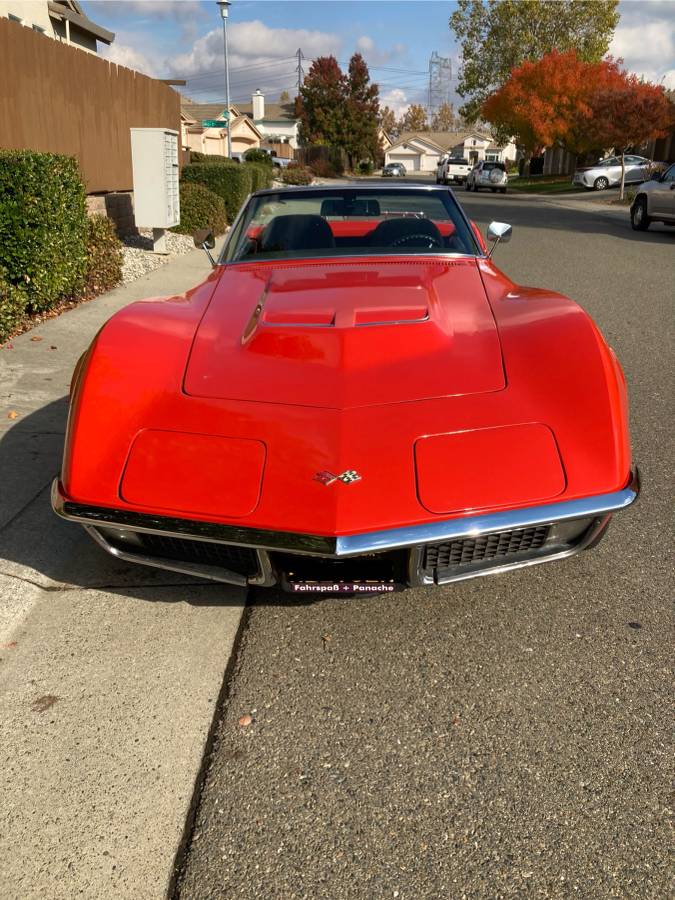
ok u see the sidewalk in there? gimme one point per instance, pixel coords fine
(109, 673)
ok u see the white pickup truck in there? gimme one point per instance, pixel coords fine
(452, 169)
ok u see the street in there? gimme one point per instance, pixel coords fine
(501, 737)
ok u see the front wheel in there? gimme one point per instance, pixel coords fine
(601, 184)
(639, 218)
(502, 191)
(467, 186)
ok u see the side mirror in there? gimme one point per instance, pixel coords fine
(204, 239)
(498, 232)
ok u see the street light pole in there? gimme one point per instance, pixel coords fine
(224, 11)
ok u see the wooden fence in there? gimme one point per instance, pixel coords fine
(59, 99)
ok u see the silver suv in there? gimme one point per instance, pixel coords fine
(487, 175)
(655, 202)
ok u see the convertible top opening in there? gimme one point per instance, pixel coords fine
(292, 224)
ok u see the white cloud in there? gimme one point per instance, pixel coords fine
(180, 10)
(253, 43)
(395, 99)
(365, 44)
(127, 56)
(645, 40)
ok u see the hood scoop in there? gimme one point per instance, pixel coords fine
(345, 335)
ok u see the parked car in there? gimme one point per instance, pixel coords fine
(355, 398)
(452, 169)
(490, 175)
(394, 170)
(607, 172)
(654, 202)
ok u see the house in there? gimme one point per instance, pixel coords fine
(663, 149)
(383, 138)
(202, 131)
(277, 122)
(62, 20)
(421, 151)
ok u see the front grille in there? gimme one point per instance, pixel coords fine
(242, 560)
(486, 547)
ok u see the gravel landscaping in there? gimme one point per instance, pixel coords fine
(139, 258)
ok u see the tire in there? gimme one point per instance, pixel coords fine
(502, 190)
(467, 186)
(601, 183)
(494, 190)
(639, 219)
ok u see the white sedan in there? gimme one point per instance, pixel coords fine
(607, 172)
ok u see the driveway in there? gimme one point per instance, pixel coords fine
(502, 737)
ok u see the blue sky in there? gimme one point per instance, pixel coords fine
(183, 38)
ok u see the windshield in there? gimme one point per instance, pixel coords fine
(489, 166)
(295, 224)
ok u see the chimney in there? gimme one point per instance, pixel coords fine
(258, 104)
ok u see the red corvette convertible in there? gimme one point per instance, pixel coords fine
(355, 399)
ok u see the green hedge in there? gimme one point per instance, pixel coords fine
(197, 157)
(13, 302)
(200, 208)
(104, 257)
(256, 155)
(43, 225)
(261, 175)
(231, 182)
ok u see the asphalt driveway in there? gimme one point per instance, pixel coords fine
(503, 737)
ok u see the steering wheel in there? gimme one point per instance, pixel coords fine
(431, 240)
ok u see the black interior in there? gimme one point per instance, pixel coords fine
(296, 233)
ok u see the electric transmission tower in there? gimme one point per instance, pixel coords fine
(300, 71)
(440, 83)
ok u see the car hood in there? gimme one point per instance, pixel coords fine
(347, 333)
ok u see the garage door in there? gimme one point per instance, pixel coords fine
(412, 163)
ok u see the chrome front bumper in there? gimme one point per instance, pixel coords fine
(113, 529)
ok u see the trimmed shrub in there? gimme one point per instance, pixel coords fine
(294, 174)
(256, 155)
(104, 257)
(196, 157)
(366, 167)
(43, 225)
(200, 208)
(231, 183)
(13, 302)
(324, 168)
(261, 176)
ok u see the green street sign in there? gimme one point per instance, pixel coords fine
(215, 123)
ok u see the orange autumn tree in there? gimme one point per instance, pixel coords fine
(561, 99)
(627, 112)
(544, 102)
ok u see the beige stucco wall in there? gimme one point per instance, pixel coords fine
(31, 12)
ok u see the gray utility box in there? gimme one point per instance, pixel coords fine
(154, 158)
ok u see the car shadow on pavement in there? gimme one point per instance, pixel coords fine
(42, 549)
(534, 215)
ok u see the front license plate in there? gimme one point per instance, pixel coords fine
(343, 587)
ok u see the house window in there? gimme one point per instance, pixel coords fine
(491, 156)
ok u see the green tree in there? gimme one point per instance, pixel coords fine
(284, 97)
(444, 118)
(360, 139)
(388, 120)
(496, 36)
(321, 104)
(414, 118)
